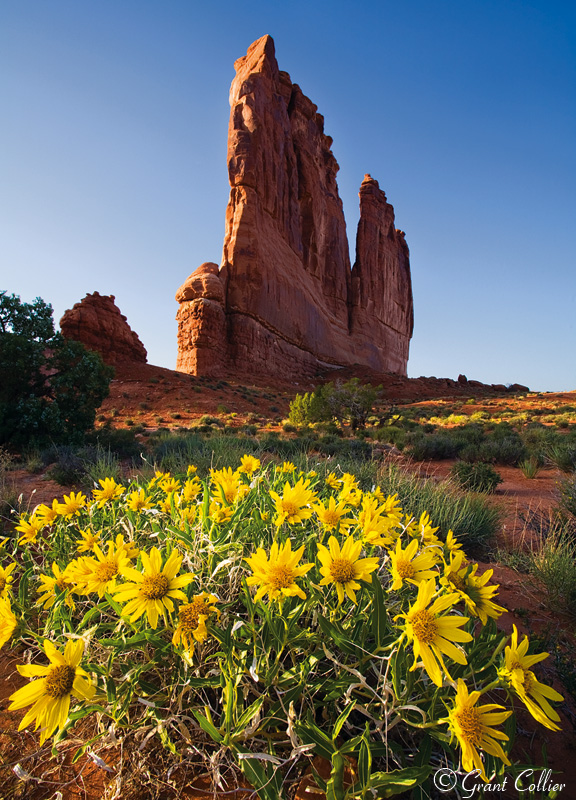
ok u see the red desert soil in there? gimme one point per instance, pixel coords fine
(156, 397)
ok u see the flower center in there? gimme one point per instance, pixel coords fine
(190, 613)
(106, 570)
(405, 568)
(155, 587)
(457, 581)
(470, 723)
(61, 584)
(342, 570)
(60, 680)
(290, 507)
(331, 518)
(528, 680)
(280, 576)
(424, 626)
(2, 583)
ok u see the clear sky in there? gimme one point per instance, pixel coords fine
(113, 158)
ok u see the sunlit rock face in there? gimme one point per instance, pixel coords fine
(285, 300)
(98, 323)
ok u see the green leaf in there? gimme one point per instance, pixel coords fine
(249, 714)
(342, 719)
(365, 760)
(208, 727)
(387, 784)
(311, 734)
(335, 786)
(23, 594)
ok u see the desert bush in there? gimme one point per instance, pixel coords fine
(530, 467)
(567, 504)
(213, 612)
(478, 477)
(553, 562)
(562, 456)
(309, 407)
(50, 387)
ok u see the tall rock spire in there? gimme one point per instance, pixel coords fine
(291, 302)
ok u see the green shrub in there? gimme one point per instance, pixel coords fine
(478, 477)
(50, 387)
(530, 467)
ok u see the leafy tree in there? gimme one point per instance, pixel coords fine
(309, 407)
(50, 387)
(351, 401)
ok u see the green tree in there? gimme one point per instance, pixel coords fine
(50, 387)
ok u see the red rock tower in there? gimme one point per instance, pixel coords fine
(285, 300)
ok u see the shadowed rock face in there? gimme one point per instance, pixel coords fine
(97, 322)
(287, 301)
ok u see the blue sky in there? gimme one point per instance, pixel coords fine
(113, 158)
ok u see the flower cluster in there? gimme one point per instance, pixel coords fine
(296, 583)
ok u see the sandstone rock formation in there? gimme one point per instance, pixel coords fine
(97, 322)
(285, 300)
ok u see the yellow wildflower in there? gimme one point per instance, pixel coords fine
(276, 575)
(473, 727)
(330, 515)
(287, 466)
(29, 528)
(99, 573)
(249, 464)
(110, 491)
(344, 568)
(433, 634)
(227, 484)
(294, 504)
(138, 500)
(89, 540)
(47, 514)
(461, 577)
(52, 586)
(375, 528)
(72, 504)
(192, 619)
(518, 676)
(406, 565)
(169, 484)
(153, 591)
(6, 579)
(191, 489)
(50, 694)
(8, 622)
(332, 481)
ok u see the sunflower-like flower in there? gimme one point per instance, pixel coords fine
(47, 514)
(52, 585)
(138, 500)
(433, 634)
(169, 484)
(89, 540)
(332, 481)
(191, 489)
(517, 675)
(406, 565)
(374, 522)
(288, 466)
(72, 504)
(249, 464)
(99, 574)
(276, 575)
(218, 513)
(192, 618)
(473, 727)
(294, 505)
(422, 530)
(51, 693)
(153, 591)
(110, 491)
(330, 515)
(344, 568)
(8, 622)
(452, 545)
(461, 577)
(29, 528)
(227, 484)
(6, 579)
